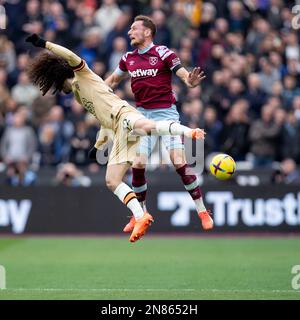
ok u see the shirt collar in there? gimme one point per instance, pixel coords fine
(146, 49)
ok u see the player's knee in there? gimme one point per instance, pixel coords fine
(177, 157)
(147, 128)
(111, 183)
(145, 125)
(178, 162)
(178, 165)
(139, 164)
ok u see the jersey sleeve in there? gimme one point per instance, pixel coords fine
(122, 63)
(173, 62)
(169, 57)
(119, 72)
(73, 60)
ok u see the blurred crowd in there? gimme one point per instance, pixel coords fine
(249, 104)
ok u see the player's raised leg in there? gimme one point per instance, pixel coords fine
(191, 185)
(139, 183)
(114, 181)
(139, 186)
(145, 126)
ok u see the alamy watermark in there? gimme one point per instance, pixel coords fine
(296, 279)
(154, 149)
(2, 278)
(2, 17)
(296, 19)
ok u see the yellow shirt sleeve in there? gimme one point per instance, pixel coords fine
(73, 60)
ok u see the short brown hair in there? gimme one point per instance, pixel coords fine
(148, 23)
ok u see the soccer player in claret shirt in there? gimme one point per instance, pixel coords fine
(62, 70)
(150, 67)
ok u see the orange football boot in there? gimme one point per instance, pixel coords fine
(196, 134)
(130, 225)
(141, 226)
(206, 220)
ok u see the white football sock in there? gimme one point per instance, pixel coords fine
(200, 205)
(128, 197)
(143, 205)
(170, 128)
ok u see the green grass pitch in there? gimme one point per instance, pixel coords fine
(153, 268)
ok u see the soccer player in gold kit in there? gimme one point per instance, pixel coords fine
(62, 70)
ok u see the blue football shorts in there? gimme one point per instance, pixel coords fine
(147, 143)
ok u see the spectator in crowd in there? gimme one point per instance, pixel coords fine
(256, 35)
(263, 136)
(54, 137)
(287, 173)
(273, 14)
(296, 107)
(89, 49)
(33, 17)
(268, 75)
(290, 91)
(119, 49)
(235, 132)
(4, 92)
(40, 109)
(69, 175)
(207, 20)
(214, 63)
(19, 141)
(216, 92)
(107, 16)
(238, 19)
(290, 138)
(206, 46)
(254, 95)
(233, 93)
(83, 20)
(163, 33)
(213, 128)
(56, 22)
(178, 23)
(277, 62)
(24, 92)
(19, 174)
(120, 30)
(7, 54)
(80, 144)
(156, 5)
(22, 63)
(292, 49)
(49, 151)
(18, 144)
(192, 113)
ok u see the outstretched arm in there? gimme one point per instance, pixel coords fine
(114, 79)
(191, 79)
(72, 59)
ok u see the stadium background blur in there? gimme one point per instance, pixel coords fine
(249, 104)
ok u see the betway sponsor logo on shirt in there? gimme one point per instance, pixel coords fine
(143, 73)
